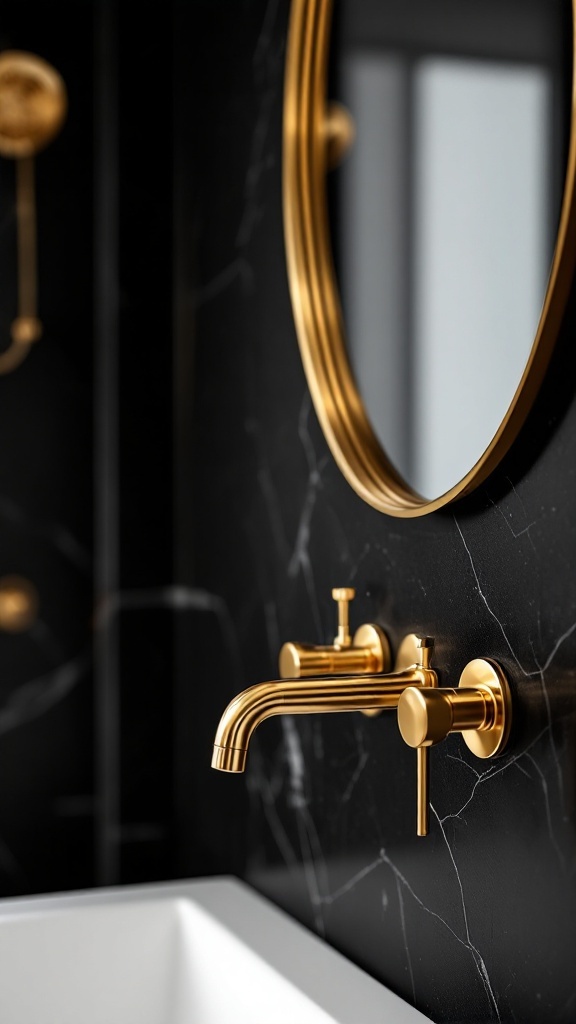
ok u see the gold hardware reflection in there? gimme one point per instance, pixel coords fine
(18, 604)
(339, 131)
(368, 693)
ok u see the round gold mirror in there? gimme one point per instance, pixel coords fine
(447, 233)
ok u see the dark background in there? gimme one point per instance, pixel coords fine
(164, 483)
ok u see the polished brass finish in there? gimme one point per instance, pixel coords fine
(304, 697)
(414, 650)
(423, 791)
(481, 709)
(32, 110)
(487, 676)
(343, 596)
(314, 291)
(18, 604)
(418, 650)
(367, 652)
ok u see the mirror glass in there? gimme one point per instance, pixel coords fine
(444, 212)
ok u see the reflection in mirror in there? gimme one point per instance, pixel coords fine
(445, 213)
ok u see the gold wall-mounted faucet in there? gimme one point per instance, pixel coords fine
(481, 709)
(368, 693)
(368, 652)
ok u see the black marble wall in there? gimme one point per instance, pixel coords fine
(475, 923)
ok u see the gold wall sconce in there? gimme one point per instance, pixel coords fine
(368, 651)
(33, 106)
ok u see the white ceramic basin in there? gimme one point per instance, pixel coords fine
(206, 952)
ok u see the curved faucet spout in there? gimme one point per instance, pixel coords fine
(306, 697)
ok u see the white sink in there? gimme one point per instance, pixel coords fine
(206, 952)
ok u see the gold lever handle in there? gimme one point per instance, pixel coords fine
(366, 653)
(481, 709)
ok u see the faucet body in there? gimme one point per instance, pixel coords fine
(305, 697)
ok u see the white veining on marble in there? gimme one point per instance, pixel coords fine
(237, 270)
(176, 598)
(259, 782)
(272, 630)
(300, 560)
(405, 937)
(331, 897)
(46, 641)
(311, 854)
(317, 737)
(531, 523)
(272, 504)
(556, 647)
(357, 565)
(261, 161)
(548, 811)
(498, 768)
(463, 940)
(540, 673)
(60, 537)
(363, 758)
(494, 769)
(479, 959)
(262, 158)
(266, 35)
(516, 534)
(296, 555)
(557, 644)
(33, 699)
(486, 603)
(312, 857)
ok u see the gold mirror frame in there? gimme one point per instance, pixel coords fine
(314, 291)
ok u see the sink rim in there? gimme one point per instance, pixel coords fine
(333, 983)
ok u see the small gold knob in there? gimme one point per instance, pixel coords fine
(367, 653)
(343, 596)
(18, 604)
(343, 593)
(427, 716)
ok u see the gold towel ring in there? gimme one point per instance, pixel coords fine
(33, 106)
